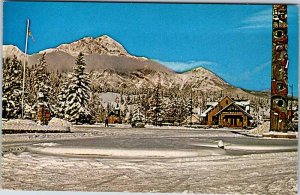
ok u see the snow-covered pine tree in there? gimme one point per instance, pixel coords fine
(145, 104)
(12, 88)
(30, 86)
(78, 94)
(190, 108)
(62, 97)
(157, 107)
(182, 111)
(137, 115)
(42, 87)
(130, 116)
(43, 82)
(56, 81)
(96, 108)
(151, 112)
(171, 109)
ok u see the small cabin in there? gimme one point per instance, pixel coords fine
(227, 113)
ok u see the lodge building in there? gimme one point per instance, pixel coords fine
(227, 113)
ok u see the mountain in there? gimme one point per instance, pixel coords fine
(101, 53)
(9, 51)
(89, 45)
(203, 80)
(112, 66)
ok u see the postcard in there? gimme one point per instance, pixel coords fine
(150, 97)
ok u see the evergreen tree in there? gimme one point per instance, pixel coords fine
(43, 81)
(31, 86)
(12, 88)
(171, 109)
(78, 94)
(130, 116)
(182, 111)
(96, 108)
(137, 115)
(125, 111)
(190, 108)
(56, 82)
(62, 98)
(157, 111)
(145, 106)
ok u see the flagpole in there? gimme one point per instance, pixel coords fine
(24, 66)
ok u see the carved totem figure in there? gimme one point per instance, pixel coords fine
(279, 83)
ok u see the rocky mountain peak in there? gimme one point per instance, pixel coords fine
(10, 50)
(89, 45)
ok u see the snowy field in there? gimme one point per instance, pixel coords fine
(150, 160)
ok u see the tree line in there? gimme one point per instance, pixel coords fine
(66, 96)
(72, 96)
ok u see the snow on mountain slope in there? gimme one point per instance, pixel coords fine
(8, 51)
(112, 66)
(101, 53)
(89, 45)
(201, 78)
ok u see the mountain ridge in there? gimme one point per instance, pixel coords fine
(104, 53)
(89, 45)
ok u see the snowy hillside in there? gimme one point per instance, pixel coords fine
(101, 53)
(111, 66)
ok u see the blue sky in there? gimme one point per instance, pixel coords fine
(233, 41)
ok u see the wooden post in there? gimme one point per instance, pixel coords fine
(279, 78)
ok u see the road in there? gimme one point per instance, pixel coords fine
(151, 160)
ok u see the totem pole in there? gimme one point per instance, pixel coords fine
(279, 78)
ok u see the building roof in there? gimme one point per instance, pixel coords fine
(235, 105)
(212, 105)
(209, 109)
(239, 103)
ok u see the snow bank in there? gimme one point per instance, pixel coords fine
(59, 122)
(126, 153)
(264, 128)
(17, 126)
(20, 121)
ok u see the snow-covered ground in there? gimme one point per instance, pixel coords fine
(252, 174)
(150, 160)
